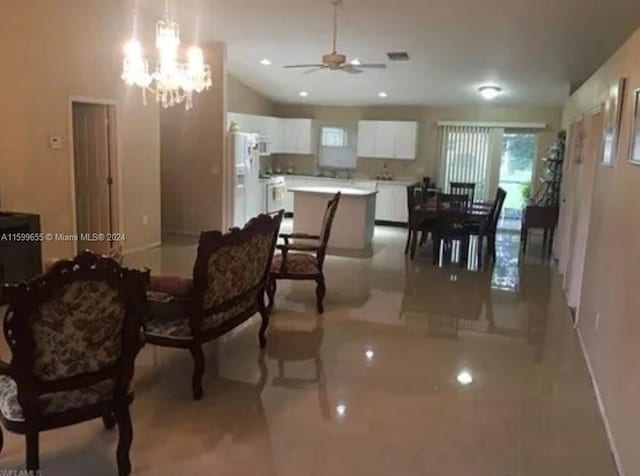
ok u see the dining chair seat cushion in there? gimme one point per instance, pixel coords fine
(51, 403)
(171, 319)
(301, 264)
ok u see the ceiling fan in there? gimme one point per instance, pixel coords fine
(334, 60)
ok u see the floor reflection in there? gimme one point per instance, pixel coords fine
(294, 340)
(413, 369)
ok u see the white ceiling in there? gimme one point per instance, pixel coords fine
(533, 49)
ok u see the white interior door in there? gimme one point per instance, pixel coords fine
(566, 226)
(585, 182)
(93, 176)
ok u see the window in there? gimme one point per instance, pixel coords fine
(337, 148)
(334, 137)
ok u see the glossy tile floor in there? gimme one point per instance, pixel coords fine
(371, 388)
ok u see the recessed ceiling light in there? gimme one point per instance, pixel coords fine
(265, 62)
(341, 409)
(304, 94)
(356, 62)
(369, 354)
(489, 92)
(464, 377)
(382, 94)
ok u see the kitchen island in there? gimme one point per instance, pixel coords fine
(352, 230)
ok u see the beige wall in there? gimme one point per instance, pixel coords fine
(192, 150)
(426, 162)
(611, 275)
(242, 99)
(51, 52)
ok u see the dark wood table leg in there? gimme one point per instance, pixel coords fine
(414, 243)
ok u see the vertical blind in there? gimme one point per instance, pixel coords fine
(470, 154)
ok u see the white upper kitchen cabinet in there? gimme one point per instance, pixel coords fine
(388, 139)
(297, 136)
(366, 139)
(274, 126)
(385, 139)
(405, 135)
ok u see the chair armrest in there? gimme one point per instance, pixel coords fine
(299, 236)
(298, 247)
(173, 285)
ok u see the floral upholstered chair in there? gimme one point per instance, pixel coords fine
(304, 259)
(228, 287)
(74, 333)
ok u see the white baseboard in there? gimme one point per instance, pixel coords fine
(603, 413)
(142, 248)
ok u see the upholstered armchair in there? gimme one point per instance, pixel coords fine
(227, 288)
(304, 258)
(74, 333)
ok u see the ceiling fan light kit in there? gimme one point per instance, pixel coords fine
(336, 61)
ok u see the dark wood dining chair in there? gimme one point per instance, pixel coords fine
(463, 188)
(492, 222)
(228, 287)
(450, 226)
(74, 333)
(304, 259)
(487, 228)
(417, 225)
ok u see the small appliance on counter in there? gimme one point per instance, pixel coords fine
(385, 174)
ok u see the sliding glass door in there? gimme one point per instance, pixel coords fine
(516, 174)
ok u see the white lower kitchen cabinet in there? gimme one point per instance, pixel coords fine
(391, 199)
(290, 182)
(391, 203)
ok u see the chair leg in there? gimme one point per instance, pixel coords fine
(264, 314)
(108, 420)
(33, 450)
(406, 246)
(198, 370)
(492, 247)
(436, 250)
(414, 243)
(321, 290)
(125, 438)
(271, 292)
(480, 245)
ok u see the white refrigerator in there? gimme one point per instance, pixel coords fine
(247, 201)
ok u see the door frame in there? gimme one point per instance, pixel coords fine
(114, 155)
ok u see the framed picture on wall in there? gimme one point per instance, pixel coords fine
(612, 118)
(634, 148)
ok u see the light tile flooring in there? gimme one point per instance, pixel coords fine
(371, 387)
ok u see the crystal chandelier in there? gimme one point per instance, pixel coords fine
(172, 82)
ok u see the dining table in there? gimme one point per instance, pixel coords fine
(478, 214)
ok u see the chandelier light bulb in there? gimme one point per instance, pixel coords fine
(171, 81)
(133, 49)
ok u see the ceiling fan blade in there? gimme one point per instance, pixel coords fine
(304, 65)
(316, 69)
(347, 68)
(372, 65)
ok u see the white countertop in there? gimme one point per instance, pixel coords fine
(396, 181)
(354, 192)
